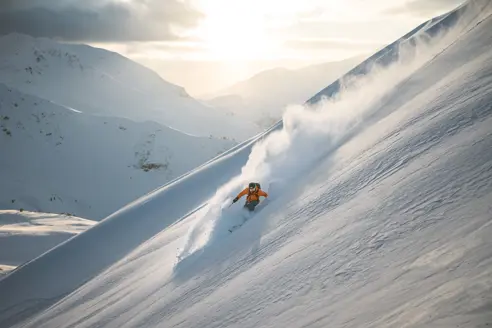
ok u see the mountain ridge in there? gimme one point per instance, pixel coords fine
(264, 97)
(96, 81)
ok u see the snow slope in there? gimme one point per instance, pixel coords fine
(96, 81)
(262, 98)
(55, 159)
(26, 235)
(385, 220)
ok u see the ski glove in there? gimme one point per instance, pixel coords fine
(235, 200)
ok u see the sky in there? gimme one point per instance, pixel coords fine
(206, 45)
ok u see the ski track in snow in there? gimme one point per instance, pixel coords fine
(388, 226)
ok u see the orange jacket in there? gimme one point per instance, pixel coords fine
(253, 196)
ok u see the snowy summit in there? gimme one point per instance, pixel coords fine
(96, 81)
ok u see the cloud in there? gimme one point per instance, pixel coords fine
(97, 21)
(425, 7)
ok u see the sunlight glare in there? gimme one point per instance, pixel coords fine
(234, 30)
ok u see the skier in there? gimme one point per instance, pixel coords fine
(254, 192)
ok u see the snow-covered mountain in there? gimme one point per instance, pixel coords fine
(263, 97)
(55, 159)
(25, 235)
(96, 81)
(378, 215)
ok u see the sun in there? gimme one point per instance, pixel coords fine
(233, 30)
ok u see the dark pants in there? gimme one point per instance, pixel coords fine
(251, 205)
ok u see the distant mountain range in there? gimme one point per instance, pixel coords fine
(263, 97)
